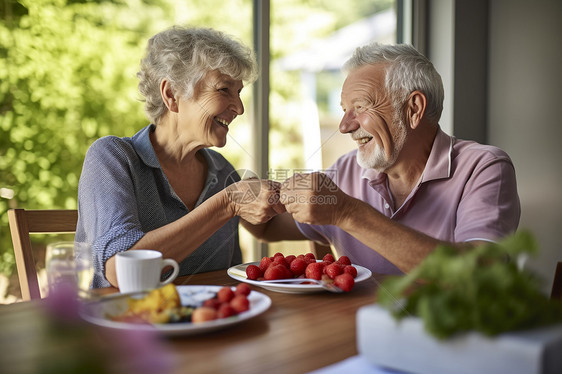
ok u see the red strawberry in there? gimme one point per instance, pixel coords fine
(314, 270)
(240, 303)
(275, 272)
(279, 260)
(287, 271)
(253, 272)
(344, 281)
(344, 260)
(289, 259)
(278, 254)
(328, 257)
(242, 289)
(333, 270)
(225, 310)
(309, 257)
(298, 266)
(225, 294)
(212, 303)
(351, 270)
(264, 263)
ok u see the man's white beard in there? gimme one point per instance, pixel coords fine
(377, 159)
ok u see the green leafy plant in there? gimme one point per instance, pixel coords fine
(480, 289)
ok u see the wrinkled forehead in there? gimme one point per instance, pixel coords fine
(365, 80)
(214, 79)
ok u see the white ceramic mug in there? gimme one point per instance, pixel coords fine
(141, 269)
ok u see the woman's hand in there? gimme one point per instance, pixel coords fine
(255, 200)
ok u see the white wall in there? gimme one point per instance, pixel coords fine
(525, 113)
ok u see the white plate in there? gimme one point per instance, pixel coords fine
(96, 312)
(238, 272)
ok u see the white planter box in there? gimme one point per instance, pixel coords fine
(407, 347)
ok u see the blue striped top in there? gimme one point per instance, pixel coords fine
(123, 193)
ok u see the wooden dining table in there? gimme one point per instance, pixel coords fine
(298, 333)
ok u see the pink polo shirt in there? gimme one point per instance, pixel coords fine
(467, 192)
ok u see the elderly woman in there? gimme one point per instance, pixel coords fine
(163, 188)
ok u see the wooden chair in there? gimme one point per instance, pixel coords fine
(557, 283)
(22, 224)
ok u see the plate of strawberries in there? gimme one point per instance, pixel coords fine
(339, 272)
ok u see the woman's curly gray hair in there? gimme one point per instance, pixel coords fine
(184, 56)
(408, 70)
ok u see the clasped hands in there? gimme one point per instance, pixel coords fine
(311, 198)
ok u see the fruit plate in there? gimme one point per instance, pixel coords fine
(98, 312)
(238, 272)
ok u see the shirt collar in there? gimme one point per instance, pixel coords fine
(143, 146)
(438, 164)
(145, 150)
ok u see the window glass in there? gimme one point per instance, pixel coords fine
(310, 40)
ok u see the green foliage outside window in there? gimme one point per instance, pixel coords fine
(67, 77)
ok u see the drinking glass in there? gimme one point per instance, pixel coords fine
(70, 264)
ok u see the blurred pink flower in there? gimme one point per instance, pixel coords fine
(84, 346)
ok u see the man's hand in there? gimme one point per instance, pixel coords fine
(313, 198)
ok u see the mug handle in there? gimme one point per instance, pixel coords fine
(174, 264)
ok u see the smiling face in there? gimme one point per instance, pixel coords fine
(370, 118)
(215, 104)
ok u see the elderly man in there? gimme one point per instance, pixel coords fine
(409, 186)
